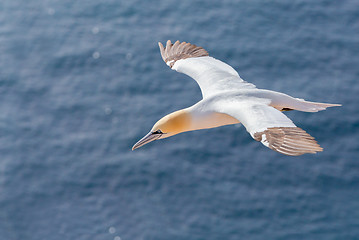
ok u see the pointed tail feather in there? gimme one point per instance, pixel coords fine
(316, 106)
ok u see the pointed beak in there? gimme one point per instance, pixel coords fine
(146, 139)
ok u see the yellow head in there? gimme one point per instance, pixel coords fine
(169, 125)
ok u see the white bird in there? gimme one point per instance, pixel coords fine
(227, 99)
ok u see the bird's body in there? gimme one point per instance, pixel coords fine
(227, 99)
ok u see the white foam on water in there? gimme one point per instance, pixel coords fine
(96, 55)
(95, 30)
(112, 230)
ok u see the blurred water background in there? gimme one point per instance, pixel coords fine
(82, 81)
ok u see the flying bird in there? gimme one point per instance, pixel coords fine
(228, 99)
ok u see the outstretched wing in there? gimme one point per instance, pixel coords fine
(213, 76)
(271, 127)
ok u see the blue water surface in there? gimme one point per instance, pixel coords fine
(82, 81)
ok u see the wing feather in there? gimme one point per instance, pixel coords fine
(292, 141)
(177, 51)
(271, 127)
(213, 76)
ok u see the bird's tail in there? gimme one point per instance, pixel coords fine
(306, 106)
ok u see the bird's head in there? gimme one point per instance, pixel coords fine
(169, 125)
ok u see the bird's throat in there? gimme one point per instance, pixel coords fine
(211, 120)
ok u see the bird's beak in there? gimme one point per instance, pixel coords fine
(146, 139)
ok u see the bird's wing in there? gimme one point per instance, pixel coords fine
(271, 127)
(212, 75)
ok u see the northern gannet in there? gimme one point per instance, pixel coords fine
(227, 99)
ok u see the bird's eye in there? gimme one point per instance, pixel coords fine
(158, 132)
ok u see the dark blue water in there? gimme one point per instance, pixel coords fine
(82, 81)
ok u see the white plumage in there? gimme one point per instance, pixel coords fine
(212, 75)
(228, 99)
